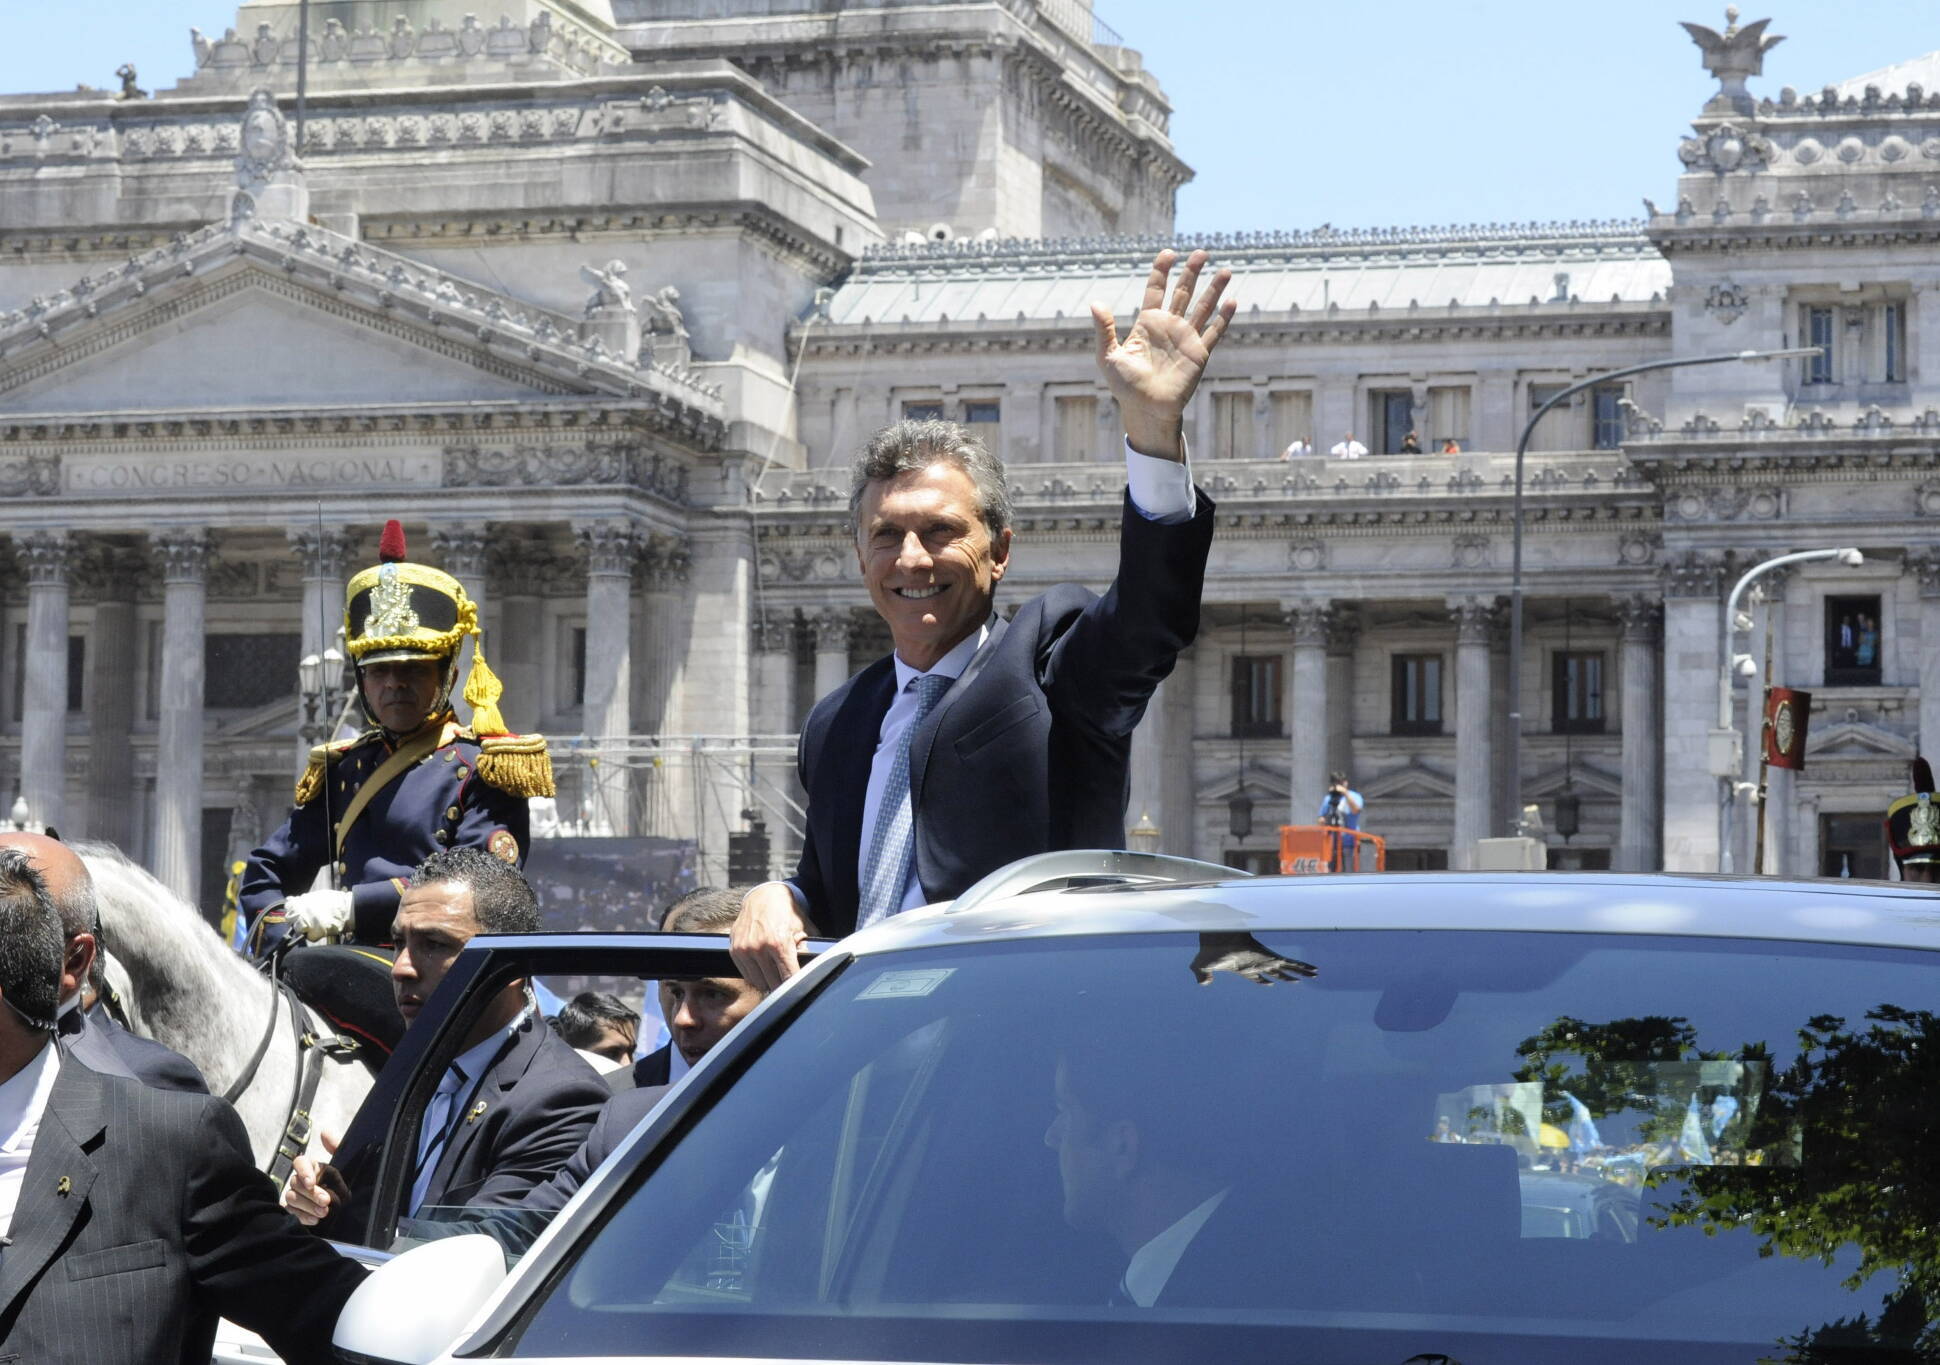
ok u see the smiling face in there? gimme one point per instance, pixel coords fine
(402, 693)
(928, 560)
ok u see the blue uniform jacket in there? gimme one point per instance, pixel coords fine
(439, 803)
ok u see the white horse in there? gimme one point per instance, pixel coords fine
(182, 986)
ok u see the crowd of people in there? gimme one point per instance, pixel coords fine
(1350, 447)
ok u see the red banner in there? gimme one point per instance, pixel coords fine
(1787, 712)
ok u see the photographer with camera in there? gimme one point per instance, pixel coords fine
(1341, 808)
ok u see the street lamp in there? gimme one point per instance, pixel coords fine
(1514, 756)
(1726, 745)
(318, 675)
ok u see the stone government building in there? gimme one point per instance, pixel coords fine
(221, 368)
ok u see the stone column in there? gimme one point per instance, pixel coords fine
(460, 551)
(518, 570)
(1928, 568)
(1780, 788)
(184, 559)
(1343, 635)
(325, 558)
(774, 680)
(1639, 828)
(1311, 625)
(1691, 609)
(1148, 758)
(664, 792)
(833, 629)
(111, 703)
(609, 547)
(1474, 751)
(48, 560)
(1502, 798)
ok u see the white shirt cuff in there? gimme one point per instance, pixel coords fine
(1161, 489)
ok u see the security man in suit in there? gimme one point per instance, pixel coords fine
(415, 782)
(90, 1032)
(981, 740)
(132, 1218)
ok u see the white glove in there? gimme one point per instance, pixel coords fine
(318, 914)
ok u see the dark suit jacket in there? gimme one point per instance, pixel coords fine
(142, 1219)
(539, 1100)
(653, 1069)
(100, 1042)
(1029, 750)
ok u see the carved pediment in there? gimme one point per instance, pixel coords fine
(276, 719)
(1587, 781)
(1856, 739)
(1412, 783)
(1262, 784)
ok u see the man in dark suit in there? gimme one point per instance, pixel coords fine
(89, 1031)
(133, 1217)
(699, 1010)
(980, 741)
(517, 1100)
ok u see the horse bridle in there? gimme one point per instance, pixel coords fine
(311, 1051)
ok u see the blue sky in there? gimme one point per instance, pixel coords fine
(1295, 113)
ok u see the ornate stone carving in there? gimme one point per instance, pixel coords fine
(1926, 498)
(1307, 554)
(834, 630)
(611, 292)
(1727, 302)
(1727, 148)
(1309, 623)
(663, 564)
(666, 331)
(1474, 618)
(1733, 57)
(774, 632)
(460, 551)
(1472, 552)
(323, 554)
(1344, 629)
(1637, 547)
(184, 556)
(596, 462)
(609, 547)
(1726, 504)
(46, 557)
(1926, 567)
(1641, 617)
(30, 475)
(1695, 574)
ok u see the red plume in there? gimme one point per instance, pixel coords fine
(390, 546)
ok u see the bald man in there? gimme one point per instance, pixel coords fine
(91, 1035)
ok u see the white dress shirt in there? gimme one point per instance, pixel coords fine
(1162, 491)
(23, 1099)
(1349, 449)
(1152, 1264)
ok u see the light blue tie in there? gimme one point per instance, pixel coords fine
(893, 843)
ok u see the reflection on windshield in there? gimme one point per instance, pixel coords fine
(1542, 1135)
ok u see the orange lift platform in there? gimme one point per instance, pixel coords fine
(1309, 849)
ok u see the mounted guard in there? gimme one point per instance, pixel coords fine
(413, 783)
(1913, 828)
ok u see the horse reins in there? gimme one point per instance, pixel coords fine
(310, 1053)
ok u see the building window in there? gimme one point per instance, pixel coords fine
(981, 416)
(578, 693)
(1233, 426)
(1257, 690)
(1852, 846)
(1892, 320)
(246, 671)
(923, 410)
(1854, 646)
(1447, 417)
(1293, 419)
(1821, 326)
(1392, 417)
(1555, 431)
(1077, 427)
(1417, 695)
(77, 658)
(1606, 407)
(1576, 692)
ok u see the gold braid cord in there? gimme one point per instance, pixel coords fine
(516, 764)
(318, 769)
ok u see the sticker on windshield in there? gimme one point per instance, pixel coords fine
(907, 984)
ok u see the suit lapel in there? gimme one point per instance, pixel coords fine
(480, 1100)
(54, 1187)
(846, 756)
(924, 739)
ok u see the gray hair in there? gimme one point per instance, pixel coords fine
(910, 446)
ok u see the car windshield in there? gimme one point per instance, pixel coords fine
(1148, 1147)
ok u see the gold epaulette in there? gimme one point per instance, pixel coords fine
(308, 785)
(516, 764)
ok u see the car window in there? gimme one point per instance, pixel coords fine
(1020, 1150)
